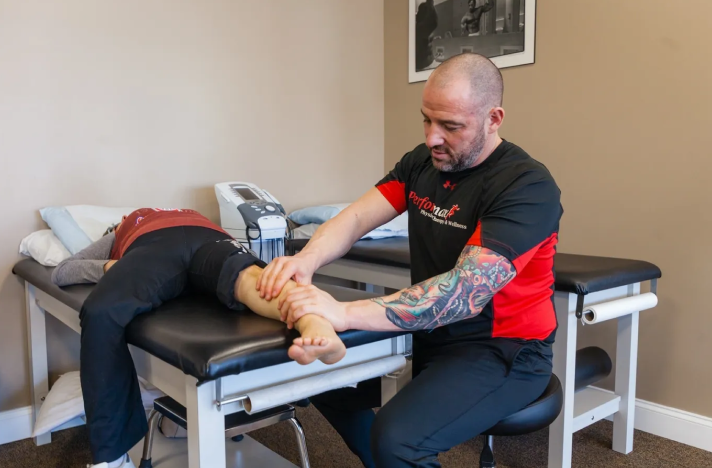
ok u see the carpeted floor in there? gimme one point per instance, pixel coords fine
(69, 449)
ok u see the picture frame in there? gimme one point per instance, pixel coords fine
(502, 30)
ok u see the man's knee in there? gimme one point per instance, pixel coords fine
(392, 443)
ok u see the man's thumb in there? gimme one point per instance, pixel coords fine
(303, 279)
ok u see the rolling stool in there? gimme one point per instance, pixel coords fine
(236, 424)
(592, 365)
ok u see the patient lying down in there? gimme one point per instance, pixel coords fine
(152, 246)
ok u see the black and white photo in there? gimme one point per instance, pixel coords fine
(502, 30)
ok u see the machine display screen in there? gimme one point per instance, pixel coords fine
(246, 194)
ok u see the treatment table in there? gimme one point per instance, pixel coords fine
(202, 355)
(581, 281)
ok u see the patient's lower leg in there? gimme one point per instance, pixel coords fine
(318, 339)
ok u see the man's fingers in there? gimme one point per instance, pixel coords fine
(286, 305)
(269, 274)
(301, 308)
(275, 284)
(258, 285)
(281, 279)
(264, 278)
(296, 294)
(298, 291)
(288, 297)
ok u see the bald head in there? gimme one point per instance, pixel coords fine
(482, 76)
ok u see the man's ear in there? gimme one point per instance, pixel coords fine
(495, 119)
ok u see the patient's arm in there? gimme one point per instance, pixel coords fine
(87, 265)
(318, 339)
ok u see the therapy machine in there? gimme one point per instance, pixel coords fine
(254, 216)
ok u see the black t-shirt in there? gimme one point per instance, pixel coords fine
(510, 204)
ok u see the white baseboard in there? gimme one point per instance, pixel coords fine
(17, 424)
(672, 423)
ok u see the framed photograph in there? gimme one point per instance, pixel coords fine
(502, 30)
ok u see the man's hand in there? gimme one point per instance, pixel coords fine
(282, 269)
(304, 300)
(109, 264)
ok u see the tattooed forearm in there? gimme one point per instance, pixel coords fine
(456, 295)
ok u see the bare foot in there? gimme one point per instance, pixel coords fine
(318, 341)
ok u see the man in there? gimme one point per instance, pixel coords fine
(483, 223)
(153, 256)
(470, 23)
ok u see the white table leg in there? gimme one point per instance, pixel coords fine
(626, 370)
(37, 344)
(561, 430)
(393, 383)
(206, 426)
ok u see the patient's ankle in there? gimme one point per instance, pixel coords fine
(314, 323)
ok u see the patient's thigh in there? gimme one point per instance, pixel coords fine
(142, 280)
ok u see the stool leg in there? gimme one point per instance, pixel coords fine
(301, 441)
(148, 440)
(487, 455)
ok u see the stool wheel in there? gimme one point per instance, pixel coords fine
(237, 438)
(145, 463)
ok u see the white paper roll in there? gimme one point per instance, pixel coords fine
(614, 309)
(267, 398)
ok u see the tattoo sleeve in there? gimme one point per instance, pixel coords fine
(456, 295)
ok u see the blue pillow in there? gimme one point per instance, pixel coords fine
(314, 214)
(65, 228)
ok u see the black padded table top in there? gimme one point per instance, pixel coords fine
(199, 335)
(580, 274)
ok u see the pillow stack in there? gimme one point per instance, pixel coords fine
(72, 228)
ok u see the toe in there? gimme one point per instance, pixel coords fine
(296, 353)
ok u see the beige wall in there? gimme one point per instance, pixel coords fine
(619, 107)
(150, 103)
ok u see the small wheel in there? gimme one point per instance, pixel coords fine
(238, 438)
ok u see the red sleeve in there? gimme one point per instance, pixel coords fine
(393, 185)
(394, 191)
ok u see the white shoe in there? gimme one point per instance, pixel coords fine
(127, 463)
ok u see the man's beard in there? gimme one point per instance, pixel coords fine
(461, 161)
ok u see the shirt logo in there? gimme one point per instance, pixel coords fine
(436, 213)
(448, 185)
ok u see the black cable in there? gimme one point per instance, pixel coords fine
(259, 229)
(250, 239)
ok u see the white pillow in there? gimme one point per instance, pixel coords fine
(65, 402)
(94, 220)
(44, 247)
(62, 404)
